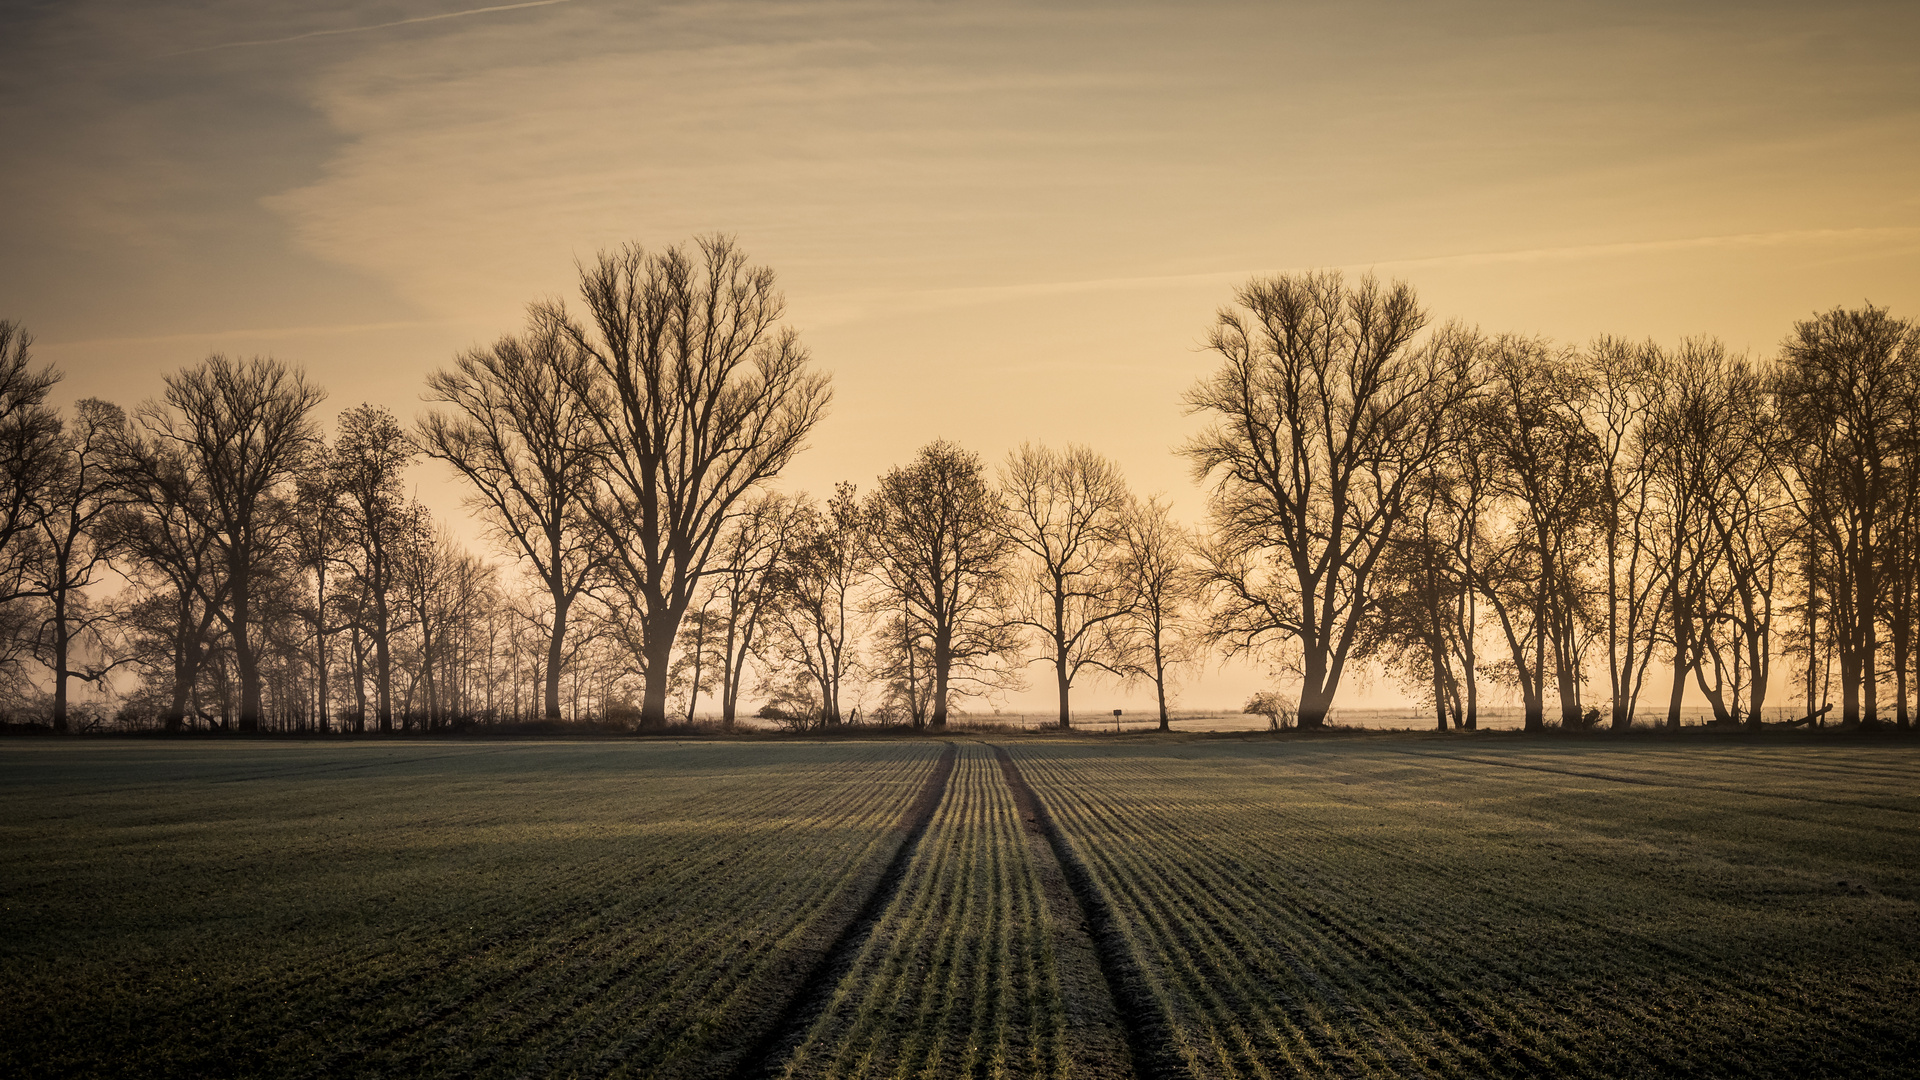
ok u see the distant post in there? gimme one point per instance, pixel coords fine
(1116, 719)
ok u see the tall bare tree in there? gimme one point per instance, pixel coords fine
(29, 429)
(80, 489)
(367, 464)
(1164, 585)
(944, 557)
(1713, 434)
(523, 433)
(1323, 413)
(1547, 468)
(816, 613)
(244, 427)
(319, 546)
(165, 534)
(709, 397)
(1066, 512)
(749, 555)
(1627, 387)
(1840, 388)
(1422, 588)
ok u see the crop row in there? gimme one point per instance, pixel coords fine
(593, 911)
(957, 978)
(1367, 912)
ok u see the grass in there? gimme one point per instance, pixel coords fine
(1403, 907)
(962, 974)
(300, 910)
(1354, 907)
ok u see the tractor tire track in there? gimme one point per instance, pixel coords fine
(1148, 1029)
(766, 1056)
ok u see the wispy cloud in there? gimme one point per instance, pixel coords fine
(269, 332)
(851, 307)
(1853, 237)
(375, 26)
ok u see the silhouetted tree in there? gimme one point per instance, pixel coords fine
(524, 435)
(1546, 466)
(708, 399)
(1163, 584)
(1065, 511)
(1627, 386)
(749, 554)
(1322, 415)
(369, 459)
(80, 487)
(29, 430)
(816, 615)
(1840, 388)
(243, 427)
(944, 556)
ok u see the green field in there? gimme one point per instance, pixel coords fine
(1367, 906)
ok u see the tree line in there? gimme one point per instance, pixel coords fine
(1479, 515)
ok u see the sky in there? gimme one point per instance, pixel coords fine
(992, 222)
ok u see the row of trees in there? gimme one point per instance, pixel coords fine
(1465, 508)
(211, 557)
(237, 566)
(1470, 512)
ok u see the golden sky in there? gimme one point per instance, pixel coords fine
(993, 222)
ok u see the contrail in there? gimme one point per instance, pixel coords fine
(375, 26)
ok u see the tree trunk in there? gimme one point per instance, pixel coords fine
(1468, 662)
(320, 647)
(243, 655)
(185, 668)
(1160, 685)
(1869, 660)
(555, 649)
(1314, 705)
(942, 668)
(653, 698)
(359, 683)
(1439, 697)
(1902, 642)
(382, 675)
(60, 659)
(1062, 684)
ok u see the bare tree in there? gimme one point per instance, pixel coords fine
(1164, 585)
(1713, 434)
(165, 535)
(29, 429)
(816, 614)
(1422, 587)
(524, 435)
(902, 662)
(749, 554)
(318, 544)
(367, 465)
(1840, 389)
(1627, 386)
(944, 556)
(430, 574)
(697, 659)
(709, 398)
(80, 488)
(1901, 606)
(1066, 513)
(1546, 466)
(244, 427)
(1324, 413)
